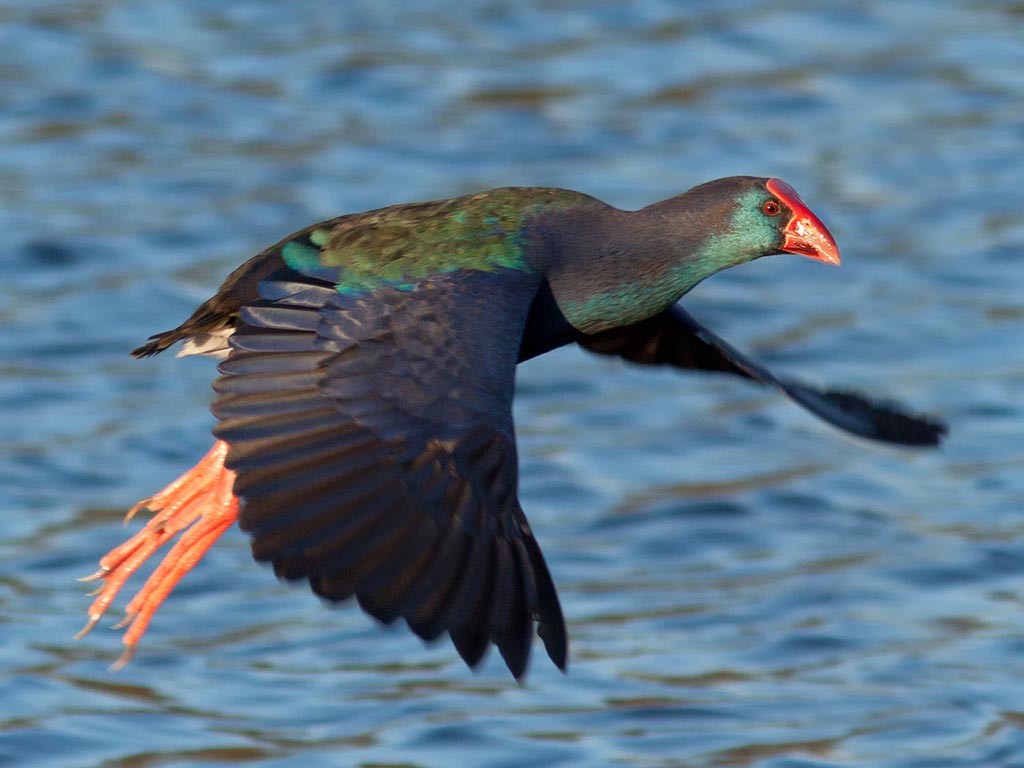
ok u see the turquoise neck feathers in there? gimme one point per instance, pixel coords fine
(620, 267)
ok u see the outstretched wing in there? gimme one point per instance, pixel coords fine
(674, 338)
(373, 440)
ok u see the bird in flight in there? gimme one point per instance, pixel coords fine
(364, 433)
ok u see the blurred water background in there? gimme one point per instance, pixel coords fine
(743, 586)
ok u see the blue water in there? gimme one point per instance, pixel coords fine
(743, 586)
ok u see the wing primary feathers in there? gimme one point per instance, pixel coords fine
(438, 584)
(510, 625)
(258, 366)
(372, 438)
(347, 562)
(281, 317)
(885, 422)
(516, 636)
(318, 524)
(547, 609)
(385, 592)
(675, 338)
(469, 610)
(269, 340)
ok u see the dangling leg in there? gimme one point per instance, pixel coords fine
(200, 501)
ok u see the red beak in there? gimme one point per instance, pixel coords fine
(805, 234)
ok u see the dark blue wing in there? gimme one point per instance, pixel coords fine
(373, 439)
(675, 338)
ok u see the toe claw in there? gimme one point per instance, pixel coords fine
(93, 618)
(93, 576)
(123, 659)
(132, 512)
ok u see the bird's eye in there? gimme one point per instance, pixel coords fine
(771, 208)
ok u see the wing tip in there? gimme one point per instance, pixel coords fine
(888, 422)
(556, 643)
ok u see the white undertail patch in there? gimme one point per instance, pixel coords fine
(212, 344)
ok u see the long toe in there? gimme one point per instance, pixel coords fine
(201, 504)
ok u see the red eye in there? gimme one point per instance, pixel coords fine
(771, 208)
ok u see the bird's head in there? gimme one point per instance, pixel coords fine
(633, 265)
(748, 217)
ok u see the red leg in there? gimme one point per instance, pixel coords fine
(201, 504)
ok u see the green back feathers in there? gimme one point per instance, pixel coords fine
(399, 245)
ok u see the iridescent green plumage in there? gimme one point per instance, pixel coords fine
(399, 245)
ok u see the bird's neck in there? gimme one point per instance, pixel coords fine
(613, 268)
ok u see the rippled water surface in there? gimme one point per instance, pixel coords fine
(743, 586)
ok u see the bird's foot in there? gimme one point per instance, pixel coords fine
(202, 504)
